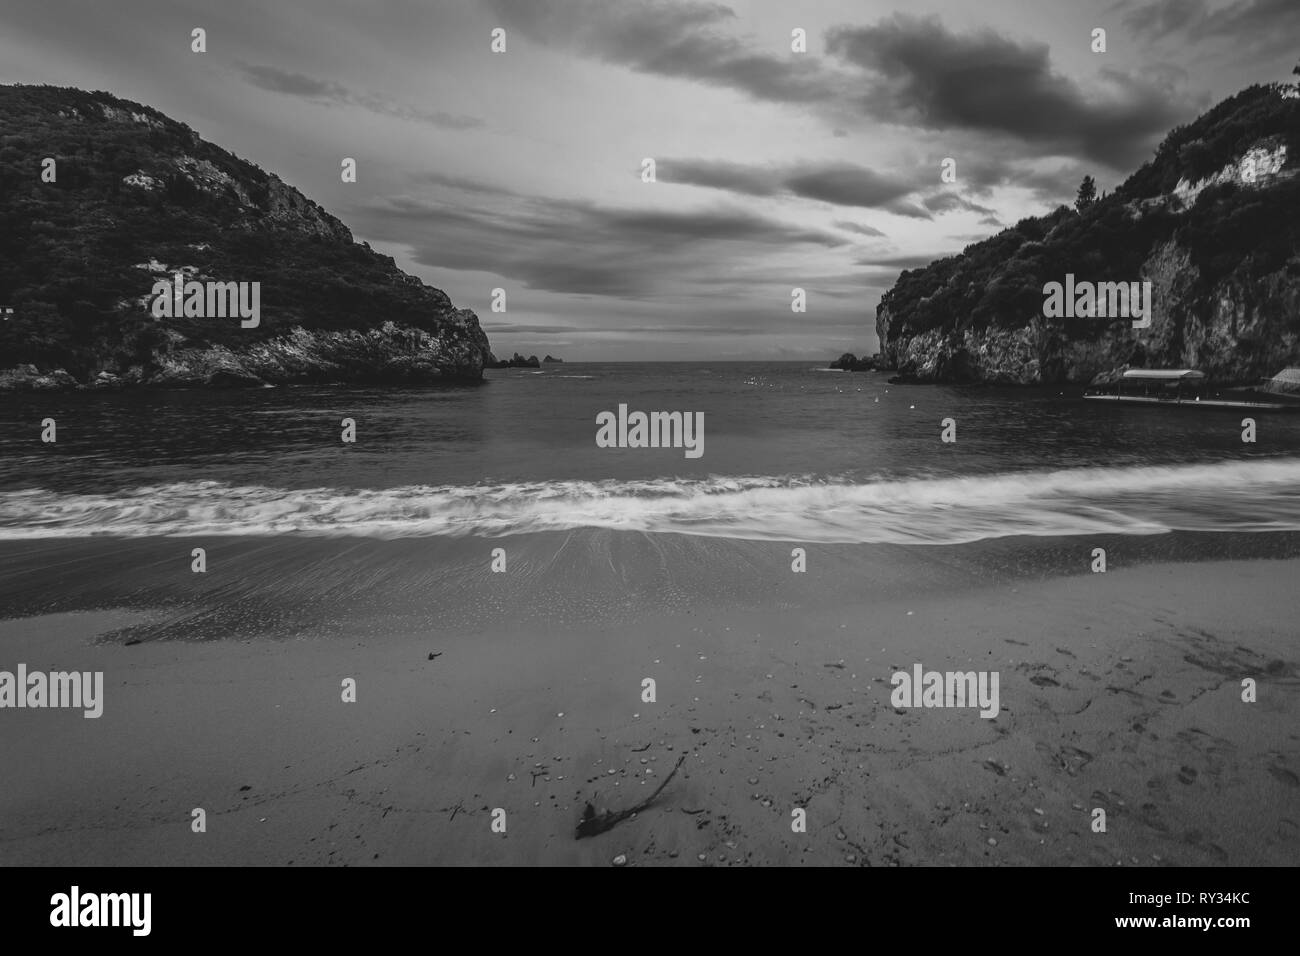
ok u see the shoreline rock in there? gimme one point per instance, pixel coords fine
(389, 355)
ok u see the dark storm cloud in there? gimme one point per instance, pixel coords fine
(580, 247)
(841, 184)
(904, 70)
(329, 93)
(675, 39)
(924, 74)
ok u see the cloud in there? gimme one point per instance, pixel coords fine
(464, 184)
(294, 84)
(329, 93)
(920, 73)
(1051, 182)
(579, 247)
(675, 38)
(859, 228)
(1263, 27)
(904, 70)
(720, 174)
(903, 262)
(1159, 17)
(950, 202)
(847, 185)
(841, 184)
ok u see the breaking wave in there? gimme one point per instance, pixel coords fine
(1229, 496)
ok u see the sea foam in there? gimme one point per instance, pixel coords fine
(1227, 496)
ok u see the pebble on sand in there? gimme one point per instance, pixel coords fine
(620, 860)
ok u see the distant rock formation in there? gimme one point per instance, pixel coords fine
(849, 362)
(139, 198)
(552, 361)
(518, 361)
(1212, 222)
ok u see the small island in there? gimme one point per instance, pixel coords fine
(517, 361)
(848, 362)
(549, 360)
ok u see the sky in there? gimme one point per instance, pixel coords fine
(775, 169)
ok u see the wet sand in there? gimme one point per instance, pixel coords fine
(223, 692)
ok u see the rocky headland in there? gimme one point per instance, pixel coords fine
(1212, 222)
(133, 198)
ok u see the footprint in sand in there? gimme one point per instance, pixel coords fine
(1187, 774)
(1284, 775)
(1150, 815)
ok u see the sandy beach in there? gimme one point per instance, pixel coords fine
(1119, 691)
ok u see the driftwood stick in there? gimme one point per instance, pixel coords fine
(593, 824)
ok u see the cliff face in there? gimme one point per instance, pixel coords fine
(1213, 223)
(102, 198)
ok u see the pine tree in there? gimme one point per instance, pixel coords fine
(1087, 194)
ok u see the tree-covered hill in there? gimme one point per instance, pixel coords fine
(137, 196)
(1213, 221)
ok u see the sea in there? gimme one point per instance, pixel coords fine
(791, 452)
